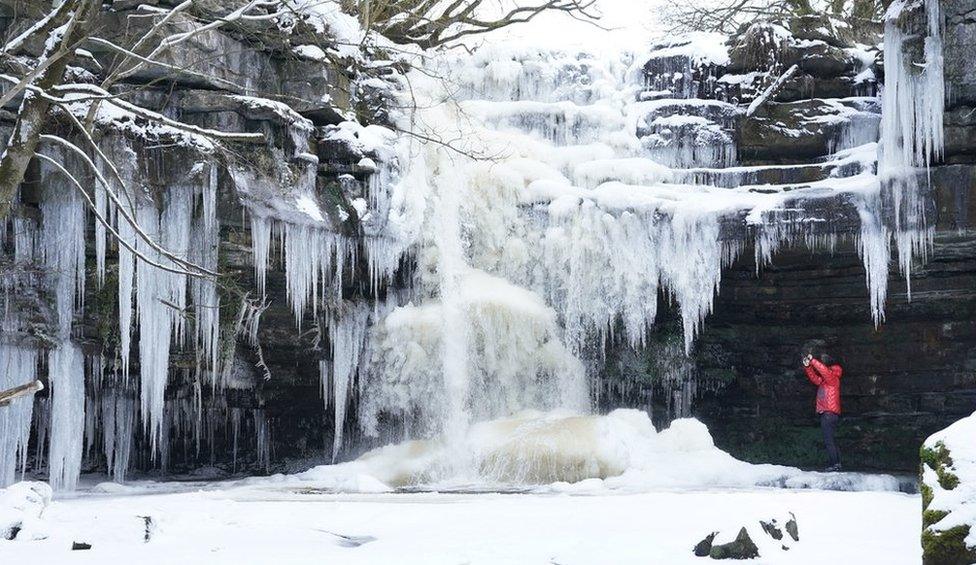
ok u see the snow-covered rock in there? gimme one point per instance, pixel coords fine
(21, 508)
(949, 494)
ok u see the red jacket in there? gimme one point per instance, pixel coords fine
(827, 380)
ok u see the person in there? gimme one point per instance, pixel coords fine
(825, 373)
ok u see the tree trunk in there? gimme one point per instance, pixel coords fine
(33, 113)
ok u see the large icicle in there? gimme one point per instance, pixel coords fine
(913, 101)
(118, 412)
(155, 330)
(203, 251)
(64, 247)
(66, 366)
(63, 240)
(127, 273)
(18, 366)
(347, 334)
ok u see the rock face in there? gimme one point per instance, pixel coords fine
(905, 379)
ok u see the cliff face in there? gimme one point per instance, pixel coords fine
(314, 188)
(904, 379)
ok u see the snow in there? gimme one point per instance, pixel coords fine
(704, 48)
(269, 521)
(330, 21)
(22, 506)
(313, 52)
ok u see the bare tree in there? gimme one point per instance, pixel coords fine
(49, 97)
(433, 23)
(725, 16)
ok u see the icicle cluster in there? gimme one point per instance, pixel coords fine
(18, 366)
(913, 101)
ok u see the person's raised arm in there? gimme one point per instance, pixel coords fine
(827, 375)
(811, 374)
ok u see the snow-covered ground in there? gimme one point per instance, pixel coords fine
(272, 524)
(538, 488)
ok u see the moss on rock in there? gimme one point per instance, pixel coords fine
(941, 547)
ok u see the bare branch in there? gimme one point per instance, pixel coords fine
(101, 219)
(120, 206)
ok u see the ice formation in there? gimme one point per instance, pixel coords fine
(66, 368)
(912, 134)
(565, 452)
(510, 357)
(347, 334)
(18, 366)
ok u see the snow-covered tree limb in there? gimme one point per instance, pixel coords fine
(771, 90)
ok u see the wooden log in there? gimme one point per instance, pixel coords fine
(23, 390)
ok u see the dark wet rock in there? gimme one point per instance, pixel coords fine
(758, 48)
(771, 529)
(959, 43)
(10, 531)
(960, 134)
(822, 60)
(792, 528)
(790, 132)
(741, 548)
(669, 75)
(704, 547)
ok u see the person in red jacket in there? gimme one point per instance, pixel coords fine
(825, 373)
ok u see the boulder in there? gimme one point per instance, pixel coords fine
(704, 547)
(741, 548)
(792, 528)
(771, 529)
(948, 490)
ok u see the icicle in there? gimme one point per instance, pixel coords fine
(64, 248)
(66, 366)
(175, 227)
(25, 232)
(204, 251)
(101, 207)
(118, 422)
(913, 101)
(18, 366)
(155, 331)
(262, 432)
(235, 424)
(261, 248)
(346, 334)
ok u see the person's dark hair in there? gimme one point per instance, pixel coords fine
(827, 359)
(814, 347)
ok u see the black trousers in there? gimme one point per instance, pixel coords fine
(828, 425)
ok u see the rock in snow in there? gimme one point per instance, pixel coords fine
(21, 507)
